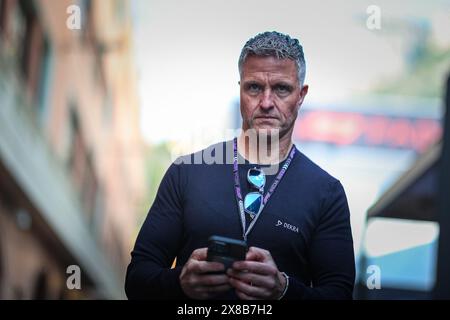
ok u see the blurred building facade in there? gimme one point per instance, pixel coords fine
(71, 161)
(407, 230)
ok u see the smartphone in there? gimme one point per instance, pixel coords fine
(226, 250)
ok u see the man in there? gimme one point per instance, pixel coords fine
(297, 223)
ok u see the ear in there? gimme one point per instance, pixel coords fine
(303, 93)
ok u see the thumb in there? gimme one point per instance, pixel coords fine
(199, 254)
(255, 254)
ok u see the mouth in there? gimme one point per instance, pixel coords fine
(267, 118)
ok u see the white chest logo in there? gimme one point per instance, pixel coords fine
(286, 225)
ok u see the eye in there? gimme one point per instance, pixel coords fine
(254, 88)
(282, 89)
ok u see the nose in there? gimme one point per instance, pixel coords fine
(267, 100)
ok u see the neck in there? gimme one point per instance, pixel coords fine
(261, 153)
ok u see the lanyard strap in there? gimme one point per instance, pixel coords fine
(238, 193)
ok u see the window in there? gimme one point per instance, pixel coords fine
(99, 210)
(89, 191)
(2, 18)
(82, 168)
(25, 43)
(32, 49)
(45, 79)
(14, 29)
(77, 149)
(86, 14)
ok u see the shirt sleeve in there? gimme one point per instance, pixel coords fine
(331, 256)
(149, 274)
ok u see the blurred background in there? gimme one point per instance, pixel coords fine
(91, 118)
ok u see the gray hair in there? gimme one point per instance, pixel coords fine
(278, 45)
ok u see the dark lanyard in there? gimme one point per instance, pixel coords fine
(237, 188)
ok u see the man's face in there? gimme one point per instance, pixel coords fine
(270, 94)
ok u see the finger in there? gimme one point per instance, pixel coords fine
(243, 296)
(202, 294)
(206, 266)
(258, 254)
(213, 280)
(253, 278)
(198, 281)
(251, 291)
(199, 254)
(255, 267)
(194, 267)
(216, 289)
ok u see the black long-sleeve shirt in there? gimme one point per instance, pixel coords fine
(305, 226)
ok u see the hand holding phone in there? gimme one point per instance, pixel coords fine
(226, 250)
